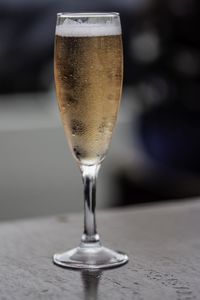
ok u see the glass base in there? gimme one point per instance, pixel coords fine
(90, 257)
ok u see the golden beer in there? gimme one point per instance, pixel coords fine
(88, 75)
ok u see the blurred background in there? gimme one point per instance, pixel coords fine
(155, 151)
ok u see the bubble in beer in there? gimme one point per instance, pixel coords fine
(71, 100)
(101, 128)
(79, 152)
(110, 97)
(77, 127)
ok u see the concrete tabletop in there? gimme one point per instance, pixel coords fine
(162, 241)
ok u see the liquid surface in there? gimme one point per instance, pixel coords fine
(88, 75)
(95, 28)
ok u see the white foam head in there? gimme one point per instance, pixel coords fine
(75, 29)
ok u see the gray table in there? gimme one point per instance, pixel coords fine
(163, 243)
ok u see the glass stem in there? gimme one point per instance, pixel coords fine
(89, 176)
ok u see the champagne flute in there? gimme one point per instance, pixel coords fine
(88, 67)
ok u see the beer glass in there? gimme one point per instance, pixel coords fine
(88, 66)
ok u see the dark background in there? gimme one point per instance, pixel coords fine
(161, 89)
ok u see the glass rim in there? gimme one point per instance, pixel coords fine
(87, 14)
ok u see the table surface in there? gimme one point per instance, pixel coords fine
(163, 244)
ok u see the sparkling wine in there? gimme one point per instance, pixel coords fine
(88, 75)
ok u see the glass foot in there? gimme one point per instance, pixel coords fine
(90, 257)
